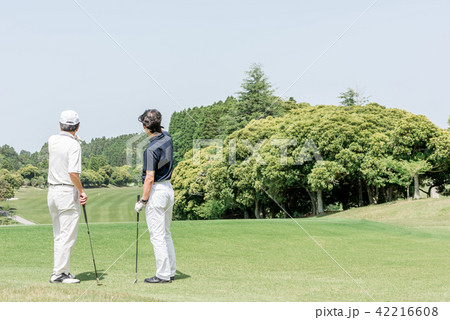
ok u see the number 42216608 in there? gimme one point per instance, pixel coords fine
(411, 311)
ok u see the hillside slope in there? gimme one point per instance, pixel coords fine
(423, 213)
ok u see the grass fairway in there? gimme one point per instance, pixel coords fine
(400, 257)
(104, 204)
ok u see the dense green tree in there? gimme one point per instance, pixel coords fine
(440, 161)
(413, 141)
(6, 191)
(25, 157)
(324, 176)
(7, 165)
(9, 181)
(91, 178)
(106, 172)
(121, 176)
(38, 182)
(188, 180)
(347, 155)
(96, 162)
(15, 180)
(113, 150)
(256, 95)
(9, 158)
(29, 171)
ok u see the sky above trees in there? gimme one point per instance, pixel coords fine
(53, 57)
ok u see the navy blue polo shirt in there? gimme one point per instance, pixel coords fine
(158, 157)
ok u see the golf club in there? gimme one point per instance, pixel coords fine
(137, 241)
(92, 250)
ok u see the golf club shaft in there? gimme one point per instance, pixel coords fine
(137, 238)
(90, 241)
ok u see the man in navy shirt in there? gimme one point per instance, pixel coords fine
(158, 196)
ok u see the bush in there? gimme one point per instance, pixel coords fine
(211, 209)
(106, 172)
(38, 182)
(29, 172)
(121, 176)
(6, 191)
(90, 178)
(14, 180)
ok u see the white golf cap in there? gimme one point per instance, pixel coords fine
(69, 117)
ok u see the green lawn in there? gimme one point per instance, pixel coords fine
(241, 260)
(104, 204)
(424, 214)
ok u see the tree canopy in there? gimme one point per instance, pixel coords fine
(364, 155)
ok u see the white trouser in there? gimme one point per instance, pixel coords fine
(64, 205)
(158, 214)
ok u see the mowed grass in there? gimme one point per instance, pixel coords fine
(268, 260)
(425, 214)
(400, 257)
(104, 204)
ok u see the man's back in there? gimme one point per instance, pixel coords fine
(65, 194)
(158, 157)
(64, 157)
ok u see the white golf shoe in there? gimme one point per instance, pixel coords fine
(63, 278)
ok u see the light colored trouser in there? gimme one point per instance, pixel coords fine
(64, 205)
(158, 214)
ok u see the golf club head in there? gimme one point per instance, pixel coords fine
(99, 283)
(135, 280)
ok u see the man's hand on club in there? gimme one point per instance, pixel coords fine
(83, 198)
(138, 207)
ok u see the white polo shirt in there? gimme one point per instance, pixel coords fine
(64, 157)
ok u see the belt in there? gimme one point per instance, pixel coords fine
(162, 181)
(62, 185)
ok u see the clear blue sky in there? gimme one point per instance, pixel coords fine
(53, 57)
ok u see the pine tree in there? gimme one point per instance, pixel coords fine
(256, 97)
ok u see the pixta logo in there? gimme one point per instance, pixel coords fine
(287, 151)
(135, 148)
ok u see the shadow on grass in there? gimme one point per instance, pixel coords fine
(180, 275)
(90, 275)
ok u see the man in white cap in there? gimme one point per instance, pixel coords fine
(65, 193)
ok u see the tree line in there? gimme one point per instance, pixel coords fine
(368, 154)
(103, 164)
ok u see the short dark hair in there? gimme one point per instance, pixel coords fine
(69, 127)
(151, 119)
